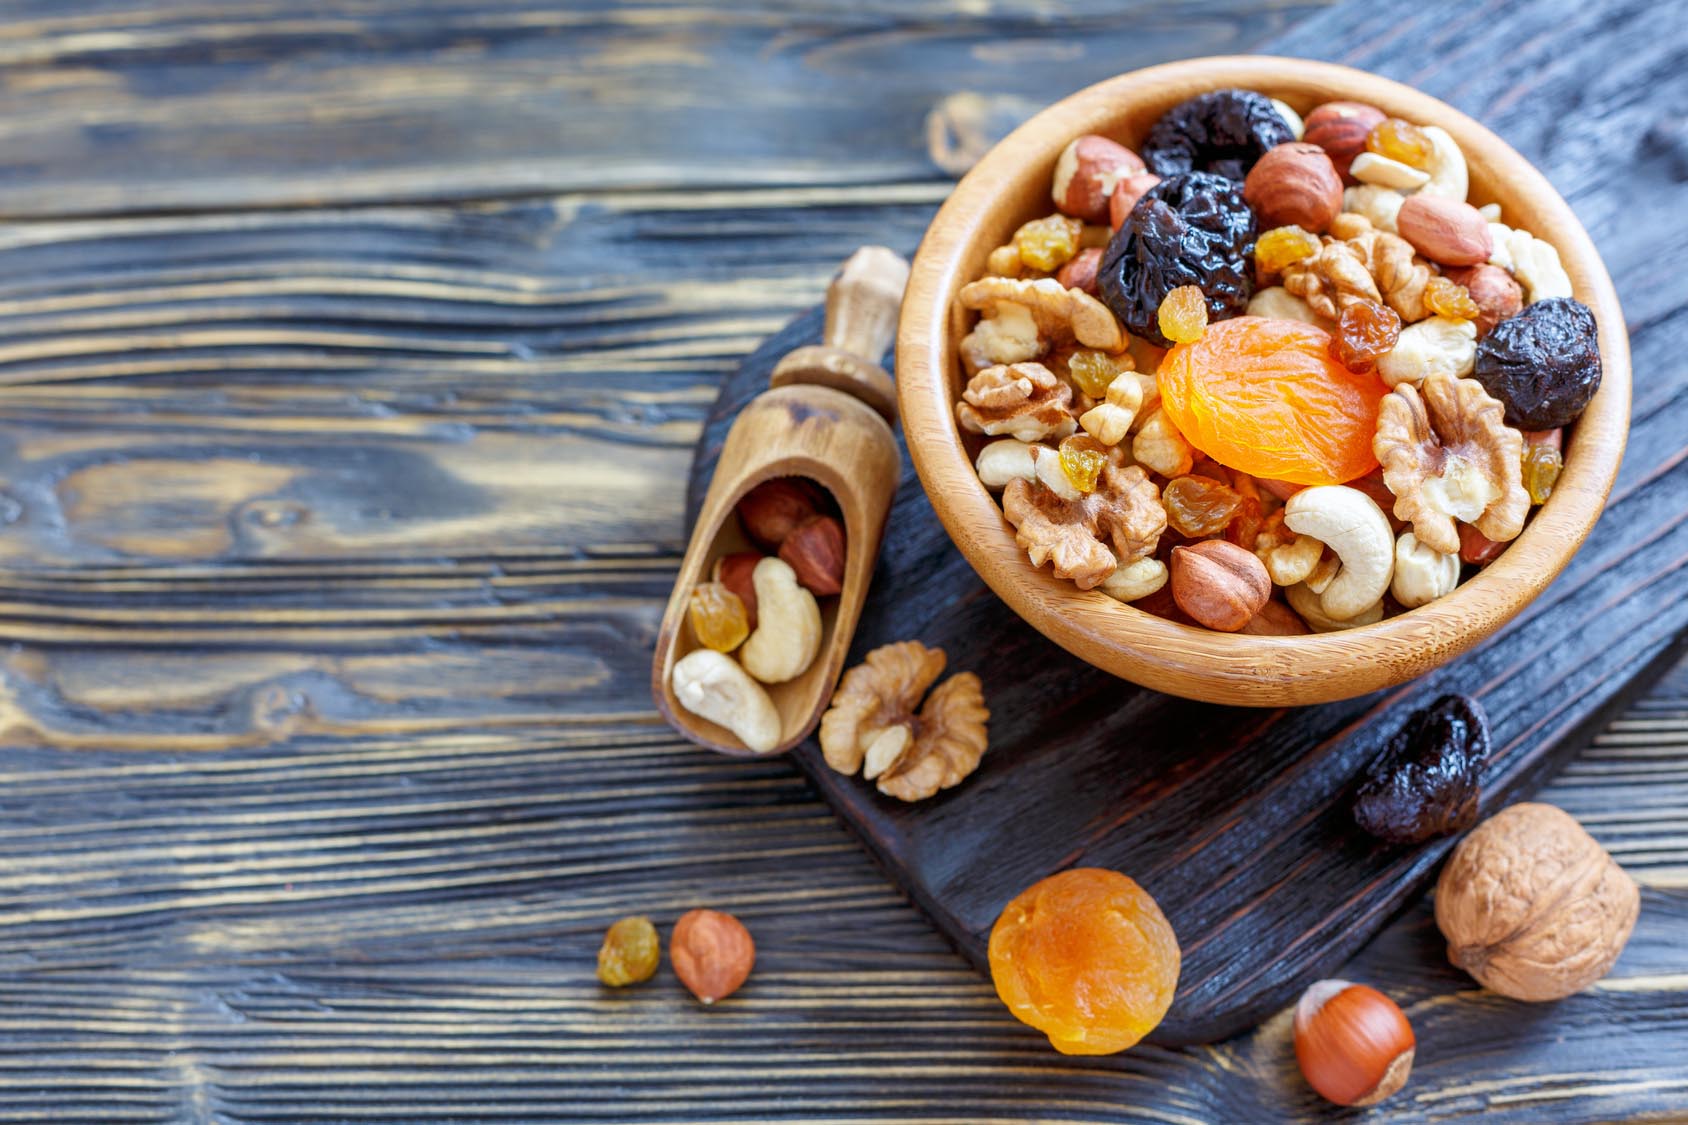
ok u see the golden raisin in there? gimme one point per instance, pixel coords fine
(1542, 464)
(1451, 299)
(718, 617)
(1198, 506)
(1048, 244)
(1400, 140)
(1365, 332)
(630, 952)
(1082, 458)
(1182, 316)
(1092, 372)
(1087, 958)
(1283, 246)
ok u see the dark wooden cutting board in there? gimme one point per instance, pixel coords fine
(1236, 820)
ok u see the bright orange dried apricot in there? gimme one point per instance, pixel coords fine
(1087, 958)
(1266, 397)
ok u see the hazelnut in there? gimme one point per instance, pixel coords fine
(1497, 293)
(1341, 128)
(1354, 1045)
(1080, 272)
(1085, 175)
(1449, 232)
(1126, 194)
(733, 572)
(770, 511)
(1477, 548)
(1533, 906)
(712, 953)
(815, 550)
(1295, 183)
(1219, 584)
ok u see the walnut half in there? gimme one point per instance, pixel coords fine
(1448, 455)
(1124, 512)
(872, 724)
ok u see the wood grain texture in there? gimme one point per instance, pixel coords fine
(319, 818)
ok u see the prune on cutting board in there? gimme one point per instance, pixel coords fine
(1222, 131)
(1425, 783)
(1190, 229)
(1543, 364)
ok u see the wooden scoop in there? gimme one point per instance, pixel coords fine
(826, 417)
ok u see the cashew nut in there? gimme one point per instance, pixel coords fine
(1352, 525)
(1448, 175)
(1135, 580)
(1306, 603)
(1006, 460)
(1292, 562)
(1161, 447)
(1379, 205)
(1291, 118)
(1422, 574)
(1280, 304)
(1438, 345)
(788, 625)
(1533, 261)
(1370, 168)
(712, 685)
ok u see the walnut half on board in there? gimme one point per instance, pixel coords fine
(873, 726)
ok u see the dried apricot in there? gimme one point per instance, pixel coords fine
(1266, 397)
(1087, 958)
(719, 619)
(1182, 315)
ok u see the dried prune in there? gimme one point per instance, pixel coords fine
(1425, 783)
(1192, 229)
(1542, 364)
(1222, 131)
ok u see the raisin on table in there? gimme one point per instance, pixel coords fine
(1426, 781)
(1191, 229)
(1223, 132)
(1543, 364)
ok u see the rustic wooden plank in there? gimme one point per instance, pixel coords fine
(116, 105)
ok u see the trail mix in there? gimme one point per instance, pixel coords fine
(1271, 376)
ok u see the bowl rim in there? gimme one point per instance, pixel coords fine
(1198, 663)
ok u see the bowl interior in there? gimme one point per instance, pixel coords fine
(1011, 185)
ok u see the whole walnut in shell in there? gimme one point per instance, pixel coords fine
(1533, 906)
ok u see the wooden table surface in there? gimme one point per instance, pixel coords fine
(353, 353)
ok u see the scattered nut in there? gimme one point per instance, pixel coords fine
(1449, 177)
(1006, 460)
(711, 685)
(1126, 194)
(1449, 455)
(872, 725)
(1348, 522)
(1533, 906)
(1377, 205)
(1437, 345)
(1276, 619)
(1135, 580)
(1024, 319)
(1291, 118)
(630, 953)
(1354, 1045)
(1024, 400)
(1289, 558)
(1475, 547)
(1086, 173)
(712, 953)
(733, 572)
(815, 552)
(1422, 574)
(788, 632)
(769, 511)
(1277, 302)
(1370, 168)
(1497, 295)
(1110, 420)
(1305, 602)
(1341, 128)
(1533, 261)
(1363, 265)
(1161, 447)
(1125, 510)
(1449, 232)
(1294, 183)
(1219, 584)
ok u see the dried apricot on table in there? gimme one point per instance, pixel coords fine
(1268, 398)
(1087, 958)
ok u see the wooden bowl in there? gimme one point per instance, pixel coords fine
(1011, 185)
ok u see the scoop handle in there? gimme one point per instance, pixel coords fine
(862, 306)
